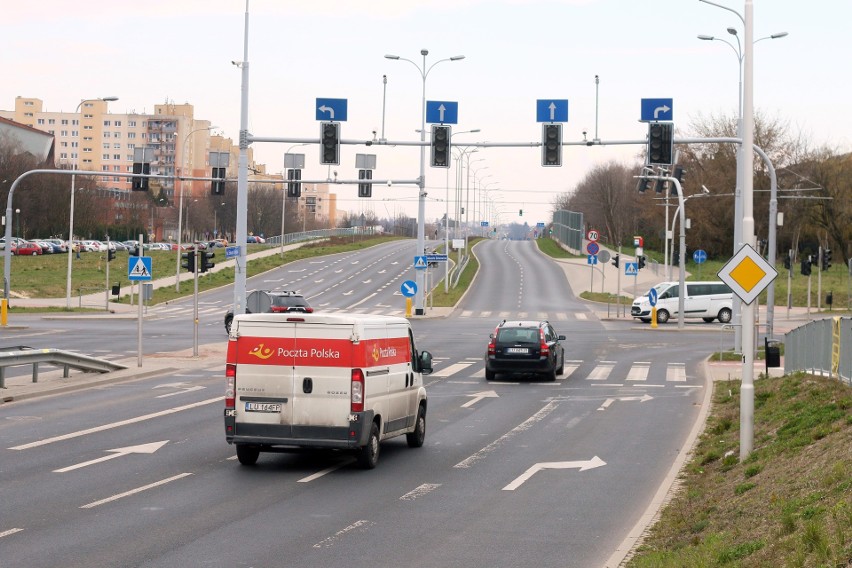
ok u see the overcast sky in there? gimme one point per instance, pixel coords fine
(515, 53)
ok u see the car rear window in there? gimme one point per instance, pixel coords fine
(288, 301)
(518, 335)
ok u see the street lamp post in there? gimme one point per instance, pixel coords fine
(71, 218)
(447, 217)
(180, 204)
(421, 202)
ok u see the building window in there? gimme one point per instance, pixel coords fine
(116, 156)
(116, 179)
(105, 157)
(87, 161)
(63, 144)
(63, 133)
(116, 134)
(51, 132)
(87, 138)
(75, 133)
(118, 123)
(131, 146)
(65, 121)
(116, 146)
(131, 123)
(74, 144)
(40, 121)
(28, 103)
(87, 127)
(106, 134)
(105, 168)
(106, 145)
(63, 156)
(116, 168)
(106, 123)
(131, 135)
(88, 115)
(74, 122)
(51, 121)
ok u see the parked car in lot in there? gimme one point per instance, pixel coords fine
(271, 301)
(26, 248)
(525, 347)
(94, 246)
(59, 245)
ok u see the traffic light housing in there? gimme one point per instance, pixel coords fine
(135, 251)
(826, 259)
(110, 254)
(660, 186)
(616, 260)
(139, 183)
(188, 261)
(330, 143)
(218, 185)
(205, 260)
(365, 189)
(641, 261)
(551, 145)
(521, 213)
(644, 185)
(787, 261)
(294, 185)
(678, 175)
(660, 143)
(806, 266)
(441, 136)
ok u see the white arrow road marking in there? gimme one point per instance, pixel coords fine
(382, 271)
(479, 396)
(349, 293)
(319, 281)
(609, 401)
(184, 388)
(660, 109)
(116, 424)
(135, 491)
(10, 532)
(118, 452)
(367, 281)
(582, 465)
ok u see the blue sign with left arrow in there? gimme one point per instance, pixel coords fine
(442, 112)
(551, 110)
(332, 109)
(657, 110)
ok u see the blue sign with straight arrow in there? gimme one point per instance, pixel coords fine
(442, 112)
(551, 110)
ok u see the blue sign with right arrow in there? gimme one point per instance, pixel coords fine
(657, 110)
(408, 288)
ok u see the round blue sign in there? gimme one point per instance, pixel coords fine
(408, 288)
(699, 256)
(652, 297)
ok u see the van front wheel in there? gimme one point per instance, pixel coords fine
(368, 456)
(662, 316)
(725, 315)
(247, 455)
(416, 438)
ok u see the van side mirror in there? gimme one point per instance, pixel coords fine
(425, 362)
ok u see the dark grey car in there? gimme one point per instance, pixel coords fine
(525, 347)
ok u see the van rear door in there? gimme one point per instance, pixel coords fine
(265, 379)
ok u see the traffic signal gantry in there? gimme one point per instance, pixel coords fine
(330, 143)
(660, 143)
(440, 154)
(551, 145)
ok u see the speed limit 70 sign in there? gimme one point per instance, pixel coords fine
(592, 235)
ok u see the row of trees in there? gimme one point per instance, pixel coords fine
(814, 193)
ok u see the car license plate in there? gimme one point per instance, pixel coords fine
(517, 350)
(263, 407)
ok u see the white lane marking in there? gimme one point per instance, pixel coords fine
(676, 372)
(639, 371)
(118, 452)
(362, 301)
(602, 371)
(330, 541)
(10, 532)
(582, 316)
(451, 370)
(420, 491)
(116, 424)
(479, 396)
(523, 426)
(94, 504)
(570, 367)
(326, 471)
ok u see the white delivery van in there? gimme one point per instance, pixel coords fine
(706, 300)
(345, 381)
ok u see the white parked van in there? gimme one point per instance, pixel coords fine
(345, 381)
(706, 300)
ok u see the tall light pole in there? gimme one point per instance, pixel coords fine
(740, 53)
(284, 195)
(421, 202)
(477, 197)
(447, 217)
(180, 205)
(460, 168)
(71, 217)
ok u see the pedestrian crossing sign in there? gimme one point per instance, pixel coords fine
(420, 262)
(139, 268)
(631, 268)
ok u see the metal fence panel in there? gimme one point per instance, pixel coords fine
(821, 347)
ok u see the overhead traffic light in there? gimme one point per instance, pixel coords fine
(440, 146)
(294, 186)
(641, 261)
(205, 262)
(660, 186)
(365, 189)
(644, 184)
(551, 145)
(188, 261)
(826, 259)
(660, 143)
(217, 187)
(615, 261)
(140, 183)
(330, 143)
(521, 213)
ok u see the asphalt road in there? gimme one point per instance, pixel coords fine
(513, 472)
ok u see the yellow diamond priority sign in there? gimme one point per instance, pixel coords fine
(747, 274)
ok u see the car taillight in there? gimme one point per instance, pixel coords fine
(278, 309)
(357, 390)
(231, 386)
(545, 350)
(309, 310)
(492, 348)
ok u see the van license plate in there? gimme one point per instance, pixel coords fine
(263, 407)
(519, 350)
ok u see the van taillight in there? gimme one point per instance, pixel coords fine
(357, 390)
(545, 350)
(231, 386)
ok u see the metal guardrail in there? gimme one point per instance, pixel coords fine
(22, 355)
(291, 238)
(821, 347)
